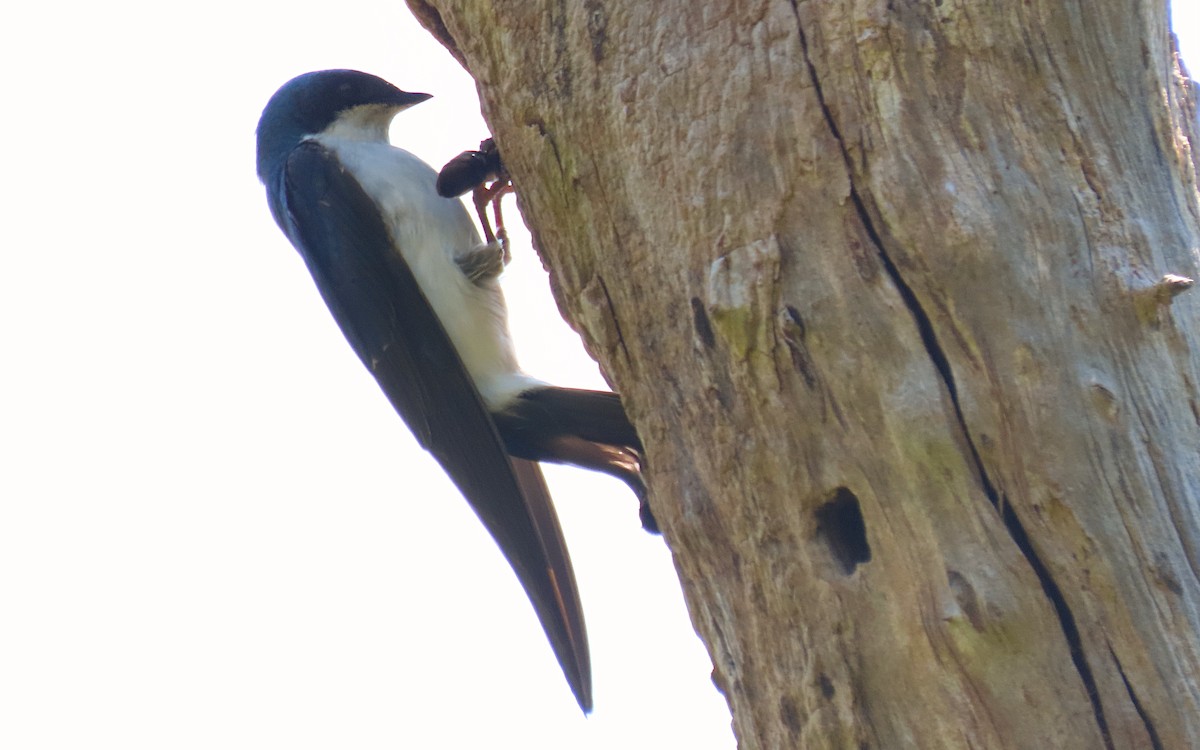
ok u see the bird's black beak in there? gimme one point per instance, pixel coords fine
(407, 99)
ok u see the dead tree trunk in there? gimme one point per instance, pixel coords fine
(885, 286)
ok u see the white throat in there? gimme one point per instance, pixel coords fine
(369, 122)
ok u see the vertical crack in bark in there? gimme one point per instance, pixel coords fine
(941, 363)
(1155, 741)
(1012, 523)
(612, 314)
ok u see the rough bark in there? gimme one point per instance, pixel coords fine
(882, 284)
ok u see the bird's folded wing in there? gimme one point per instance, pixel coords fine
(376, 300)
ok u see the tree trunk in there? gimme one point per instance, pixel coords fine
(885, 288)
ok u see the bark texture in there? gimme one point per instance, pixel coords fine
(882, 284)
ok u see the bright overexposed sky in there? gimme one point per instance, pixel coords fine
(214, 531)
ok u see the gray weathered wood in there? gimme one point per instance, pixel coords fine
(900, 262)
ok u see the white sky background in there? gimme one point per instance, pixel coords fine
(214, 531)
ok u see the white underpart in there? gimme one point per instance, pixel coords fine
(429, 231)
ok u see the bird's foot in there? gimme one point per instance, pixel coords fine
(484, 261)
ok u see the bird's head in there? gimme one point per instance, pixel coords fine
(350, 103)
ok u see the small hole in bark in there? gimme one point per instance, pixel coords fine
(841, 526)
(789, 714)
(700, 322)
(826, 685)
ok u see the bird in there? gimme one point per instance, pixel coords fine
(416, 294)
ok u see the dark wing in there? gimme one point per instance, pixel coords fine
(385, 316)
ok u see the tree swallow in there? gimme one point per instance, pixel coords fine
(416, 294)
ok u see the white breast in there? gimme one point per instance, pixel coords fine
(428, 230)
